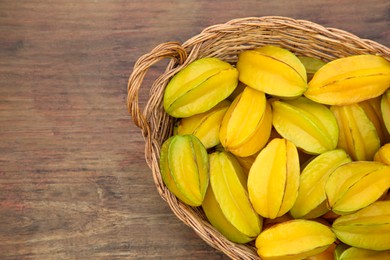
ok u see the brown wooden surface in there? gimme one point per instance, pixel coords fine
(73, 180)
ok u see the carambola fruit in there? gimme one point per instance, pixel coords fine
(294, 239)
(328, 254)
(355, 253)
(311, 200)
(273, 179)
(355, 185)
(227, 204)
(309, 125)
(357, 134)
(383, 154)
(368, 228)
(246, 162)
(199, 87)
(372, 108)
(350, 80)
(184, 166)
(246, 126)
(215, 215)
(237, 91)
(312, 65)
(206, 125)
(385, 108)
(273, 70)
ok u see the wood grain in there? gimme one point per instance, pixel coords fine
(73, 180)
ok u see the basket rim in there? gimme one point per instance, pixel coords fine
(326, 33)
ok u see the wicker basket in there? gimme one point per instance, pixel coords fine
(225, 41)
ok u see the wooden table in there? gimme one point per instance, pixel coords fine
(73, 180)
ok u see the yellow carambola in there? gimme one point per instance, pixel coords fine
(199, 87)
(217, 218)
(368, 228)
(227, 205)
(354, 253)
(246, 126)
(184, 168)
(311, 200)
(309, 125)
(355, 185)
(206, 125)
(385, 108)
(358, 135)
(246, 162)
(350, 80)
(383, 154)
(372, 108)
(312, 65)
(294, 239)
(273, 70)
(273, 179)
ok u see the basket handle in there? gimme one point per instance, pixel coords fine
(171, 50)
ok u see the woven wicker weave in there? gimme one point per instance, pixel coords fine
(225, 41)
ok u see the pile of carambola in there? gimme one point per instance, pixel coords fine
(289, 151)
